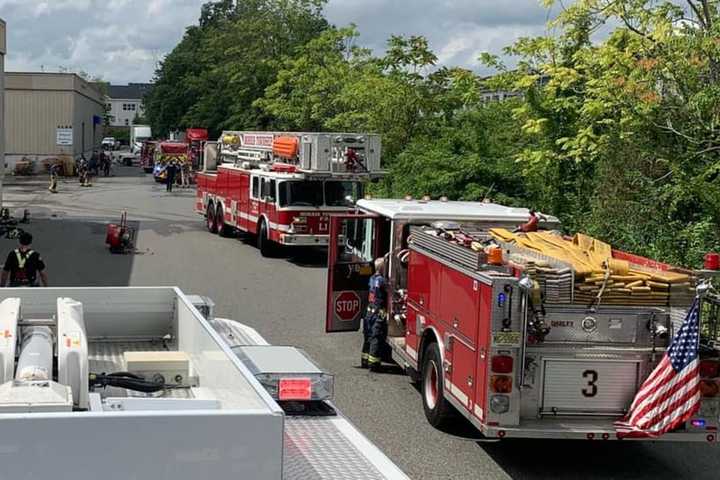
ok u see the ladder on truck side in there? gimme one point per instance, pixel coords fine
(329, 154)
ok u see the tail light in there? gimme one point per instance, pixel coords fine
(502, 364)
(501, 384)
(709, 388)
(709, 368)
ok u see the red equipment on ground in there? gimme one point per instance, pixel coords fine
(120, 237)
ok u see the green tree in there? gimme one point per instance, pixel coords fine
(225, 63)
(622, 133)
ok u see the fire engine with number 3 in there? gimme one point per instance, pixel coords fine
(516, 357)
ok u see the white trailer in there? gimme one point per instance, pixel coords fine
(136, 382)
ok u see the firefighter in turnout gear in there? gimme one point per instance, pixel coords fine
(23, 266)
(375, 328)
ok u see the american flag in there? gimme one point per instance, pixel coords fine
(671, 394)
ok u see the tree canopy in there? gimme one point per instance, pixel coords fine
(614, 124)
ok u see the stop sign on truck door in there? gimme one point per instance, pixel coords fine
(348, 305)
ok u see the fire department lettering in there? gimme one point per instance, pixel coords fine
(347, 305)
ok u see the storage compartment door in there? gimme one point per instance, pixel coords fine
(588, 386)
(461, 384)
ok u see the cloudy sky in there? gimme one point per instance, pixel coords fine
(122, 40)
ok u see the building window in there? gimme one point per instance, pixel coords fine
(127, 122)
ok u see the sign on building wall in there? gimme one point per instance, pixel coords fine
(65, 136)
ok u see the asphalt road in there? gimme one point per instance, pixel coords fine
(284, 299)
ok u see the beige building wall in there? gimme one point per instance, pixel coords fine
(40, 103)
(2, 103)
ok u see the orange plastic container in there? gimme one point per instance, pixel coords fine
(495, 256)
(286, 147)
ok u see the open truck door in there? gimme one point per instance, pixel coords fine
(352, 249)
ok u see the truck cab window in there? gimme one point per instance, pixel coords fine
(270, 194)
(255, 187)
(358, 241)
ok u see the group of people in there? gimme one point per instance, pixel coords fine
(99, 161)
(176, 169)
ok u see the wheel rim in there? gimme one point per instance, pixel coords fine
(220, 219)
(210, 219)
(431, 385)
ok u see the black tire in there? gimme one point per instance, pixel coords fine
(210, 219)
(438, 410)
(264, 244)
(222, 229)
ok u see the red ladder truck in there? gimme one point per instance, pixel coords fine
(282, 187)
(469, 332)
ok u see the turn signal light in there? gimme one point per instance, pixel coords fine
(708, 388)
(501, 364)
(709, 368)
(501, 384)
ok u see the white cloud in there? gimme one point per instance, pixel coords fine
(122, 40)
(119, 40)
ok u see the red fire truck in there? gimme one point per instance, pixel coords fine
(147, 155)
(196, 138)
(282, 186)
(471, 335)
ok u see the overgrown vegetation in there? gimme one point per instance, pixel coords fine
(619, 137)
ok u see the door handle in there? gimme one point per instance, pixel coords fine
(456, 322)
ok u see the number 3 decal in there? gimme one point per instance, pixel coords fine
(591, 376)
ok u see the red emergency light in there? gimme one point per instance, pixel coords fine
(295, 389)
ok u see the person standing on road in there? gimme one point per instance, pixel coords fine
(23, 266)
(54, 173)
(171, 171)
(185, 174)
(105, 162)
(375, 328)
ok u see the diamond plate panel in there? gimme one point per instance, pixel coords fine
(316, 450)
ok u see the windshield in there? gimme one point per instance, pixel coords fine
(301, 194)
(336, 193)
(310, 194)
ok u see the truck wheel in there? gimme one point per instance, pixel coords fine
(264, 243)
(210, 219)
(437, 409)
(222, 229)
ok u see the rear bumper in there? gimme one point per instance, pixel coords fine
(598, 429)
(303, 240)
